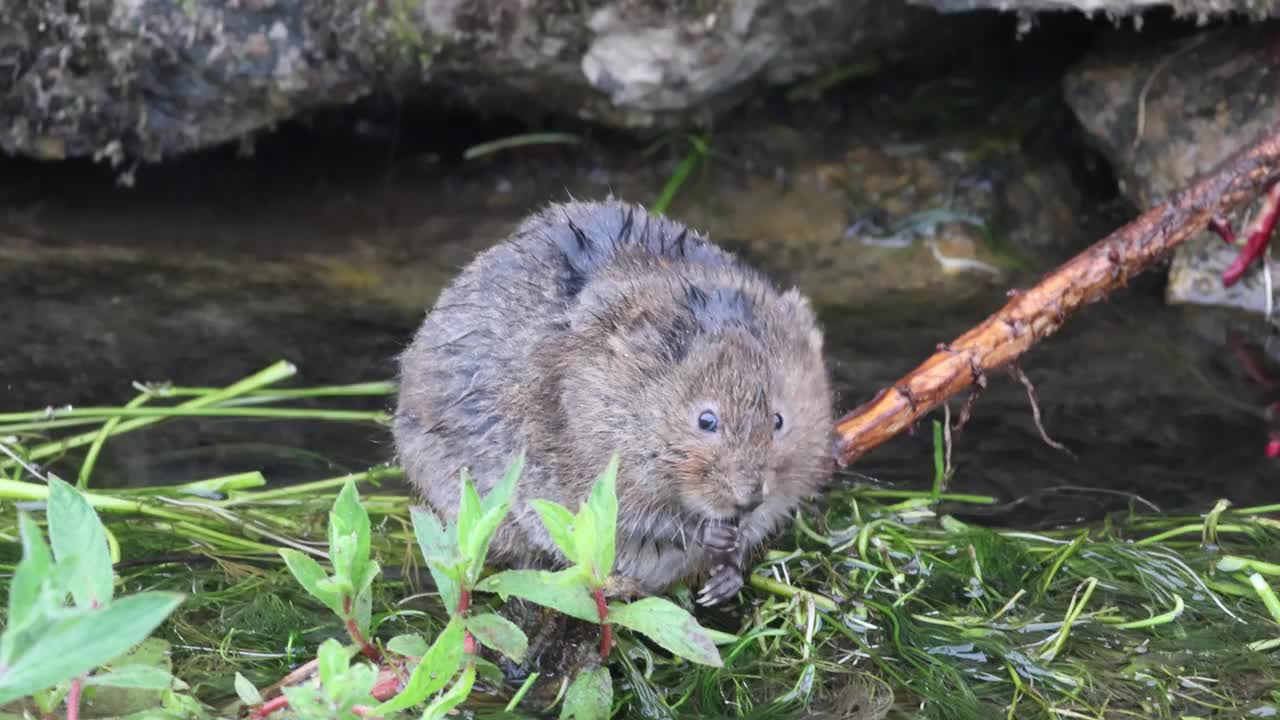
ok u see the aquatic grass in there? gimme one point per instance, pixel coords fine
(884, 599)
(698, 151)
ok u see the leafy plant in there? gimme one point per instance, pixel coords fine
(588, 540)
(338, 689)
(47, 642)
(348, 591)
(455, 553)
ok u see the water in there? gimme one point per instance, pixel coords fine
(214, 267)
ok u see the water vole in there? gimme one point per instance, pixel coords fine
(597, 328)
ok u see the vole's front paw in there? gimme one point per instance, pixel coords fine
(721, 538)
(724, 583)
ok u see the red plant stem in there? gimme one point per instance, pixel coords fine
(606, 630)
(1258, 236)
(366, 647)
(358, 637)
(469, 645)
(73, 698)
(387, 686)
(270, 706)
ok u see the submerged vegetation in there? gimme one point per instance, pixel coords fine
(875, 603)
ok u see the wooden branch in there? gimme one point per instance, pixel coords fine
(1034, 314)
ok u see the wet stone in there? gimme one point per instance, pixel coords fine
(1166, 114)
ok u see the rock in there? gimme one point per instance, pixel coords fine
(148, 79)
(1199, 9)
(1164, 116)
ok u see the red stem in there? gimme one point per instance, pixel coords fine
(73, 698)
(366, 647)
(270, 706)
(387, 686)
(1258, 234)
(606, 630)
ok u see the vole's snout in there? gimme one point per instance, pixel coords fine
(748, 497)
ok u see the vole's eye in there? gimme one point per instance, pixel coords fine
(708, 421)
(777, 422)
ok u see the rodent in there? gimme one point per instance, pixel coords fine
(598, 327)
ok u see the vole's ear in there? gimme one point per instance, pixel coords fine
(796, 309)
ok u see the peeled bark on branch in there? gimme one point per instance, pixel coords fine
(1034, 314)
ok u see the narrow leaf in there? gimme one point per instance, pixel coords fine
(456, 695)
(503, 493)
(83, 640)
(135, 677)
(670, 626)
(561, 591)
(500, 634)
(586, 542)
(349, 518)
(604, 508)
(248, 694)
(439, 664)
(589, 697)
(75, 530)
(468, 509)
(559, 524)
(478, 542)
(24, 589)
(439, 553)
(311, 576)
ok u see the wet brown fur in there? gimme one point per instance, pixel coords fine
(598, 328)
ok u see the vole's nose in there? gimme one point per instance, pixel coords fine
(748, 502)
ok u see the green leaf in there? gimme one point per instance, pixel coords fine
(349, 519)
(357, 684)
(414, 646)
(332, 660)
(503, 493)
(456, 695)
(137, 677)
(439, 664)
(305, 701)
(561, 591)
(670, 626)
(478, 542)
(440, 553)
(587, 543)
(590, 697)
(78, 641)
(468, 511)
(248, 694)
(558, 521)
(494, 508)
(604, 509)
(500, 634)
(312, 577)
(75, 530)
(28, 577)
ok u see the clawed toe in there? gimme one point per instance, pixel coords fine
(725, 582)
(721, 538)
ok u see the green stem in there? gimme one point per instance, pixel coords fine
(769, 585)
(943, 497)
(131, 411)
(268, 376)
(91, 457)
(373, 475)
(524, 690)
